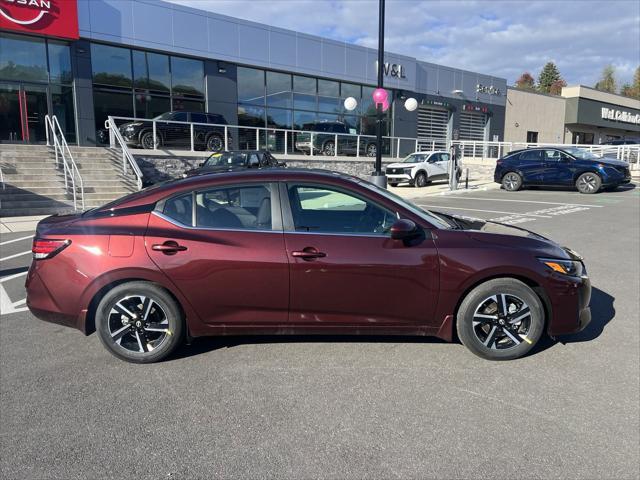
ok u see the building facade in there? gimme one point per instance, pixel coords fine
(580, 115)
(83, 60)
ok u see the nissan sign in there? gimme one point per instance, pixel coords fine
(54, 18)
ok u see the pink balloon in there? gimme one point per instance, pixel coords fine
(385, 106)
(380, 95)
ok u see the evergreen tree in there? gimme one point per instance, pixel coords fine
(548, 76)
(607, 82)
(526, 82)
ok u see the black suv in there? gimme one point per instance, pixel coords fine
(236, 160)
(324, 142)
(139, 134)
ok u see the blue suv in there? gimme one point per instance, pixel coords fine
(560, 167)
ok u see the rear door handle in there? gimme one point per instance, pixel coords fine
(169, 247)
(308, 253)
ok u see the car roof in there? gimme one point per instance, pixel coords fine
(163, 189)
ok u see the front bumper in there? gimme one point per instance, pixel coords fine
(570, 298)
(399, 177)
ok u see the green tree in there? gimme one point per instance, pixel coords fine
(607, 82)
(525, 82)
(627, 90)
(548, 76)
(556, 87)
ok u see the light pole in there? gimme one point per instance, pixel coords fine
(378, 177)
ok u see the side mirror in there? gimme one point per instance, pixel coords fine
(403, 229)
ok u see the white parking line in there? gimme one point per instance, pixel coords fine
(6, 305)
(15, 240)
(15, 256)
(447, 207)
(11, 277)
(528, 201)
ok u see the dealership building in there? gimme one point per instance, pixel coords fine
(83, 60)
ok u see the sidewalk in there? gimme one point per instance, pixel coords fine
(19, 224)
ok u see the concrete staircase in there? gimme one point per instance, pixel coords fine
(34, 186)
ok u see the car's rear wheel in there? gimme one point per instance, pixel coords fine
(329, 149)
(371, 150)
(589, 182)
(393, 184)
(512, 182)
(215, 143)
(146, 141)
(139, 322)
(501, 319)
(421, 180)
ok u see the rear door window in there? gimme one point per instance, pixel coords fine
(531, 155)
(236, 207)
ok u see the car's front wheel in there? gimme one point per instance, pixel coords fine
(421, 180)
(589, 182)
(139, 322)
(215, 143)
(146, 141)
(501, 319)
(512, 182)
(329, 149)
(371, 150)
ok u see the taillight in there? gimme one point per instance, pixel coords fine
(48, 248)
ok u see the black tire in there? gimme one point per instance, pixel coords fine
(328, 149)
(512, 182)
(370, 150)
(500, 338)
(393, 184)
(215, 143)
(151, 334)
(589, 183)
(146, 140)
(421, 180)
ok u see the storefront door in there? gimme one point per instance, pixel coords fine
(22, 111)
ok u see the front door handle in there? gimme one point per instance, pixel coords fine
(308, 253)
(169, 247)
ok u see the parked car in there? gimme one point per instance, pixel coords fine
(294, 251)
(567, 166)
(324, 140)
(420, 168)
(628, 141)
(236, 160)
(139, 134)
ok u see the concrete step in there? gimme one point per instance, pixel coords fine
(31, 196)
(20, 212)
(42, 203)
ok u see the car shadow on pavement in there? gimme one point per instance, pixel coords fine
(602, 312)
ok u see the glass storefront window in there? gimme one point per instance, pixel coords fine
(303, 101)
(352, 122)
(23, 58)
(187, 105)
(278, 90)
(328, 88)
(304, 84)
(279, 118)
(350, 90)
(367, 106)
(251, 86)
(62, 108)
(150, 106)
(151, 71)
(304, 120)
(117, 104)
(329, 104)
(251, 116)
(111, 65)
(187, 76)
(59, 63)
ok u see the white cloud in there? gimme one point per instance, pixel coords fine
(502, 38)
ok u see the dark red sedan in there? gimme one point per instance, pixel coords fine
(298, 252)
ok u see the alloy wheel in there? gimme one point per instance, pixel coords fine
(138, 324)
(512, 181)
(147, 141)
(588, 183)
(371, 150)
(502, 322)
(214, 144)
(329, 149)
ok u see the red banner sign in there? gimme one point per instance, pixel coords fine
(54, 18)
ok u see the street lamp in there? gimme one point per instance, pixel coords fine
(378, 178)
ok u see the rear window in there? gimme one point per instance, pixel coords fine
(214, 118)
(531, 155)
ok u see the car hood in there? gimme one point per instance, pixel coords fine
(401, 165)
(613, 162)
(509, 236)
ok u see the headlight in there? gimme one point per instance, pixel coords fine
(573, 268)
(408, 170)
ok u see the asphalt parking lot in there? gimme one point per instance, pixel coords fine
(343, 407)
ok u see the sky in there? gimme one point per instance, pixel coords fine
(501, 38)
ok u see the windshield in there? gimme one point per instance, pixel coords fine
(414, 158)
(429, 216)
(581, 153)
(227, 159)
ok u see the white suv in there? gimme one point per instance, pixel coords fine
(420, 168)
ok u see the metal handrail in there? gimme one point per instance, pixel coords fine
(55, 134)
(1, 178)
(257, 130)
(127, 158)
